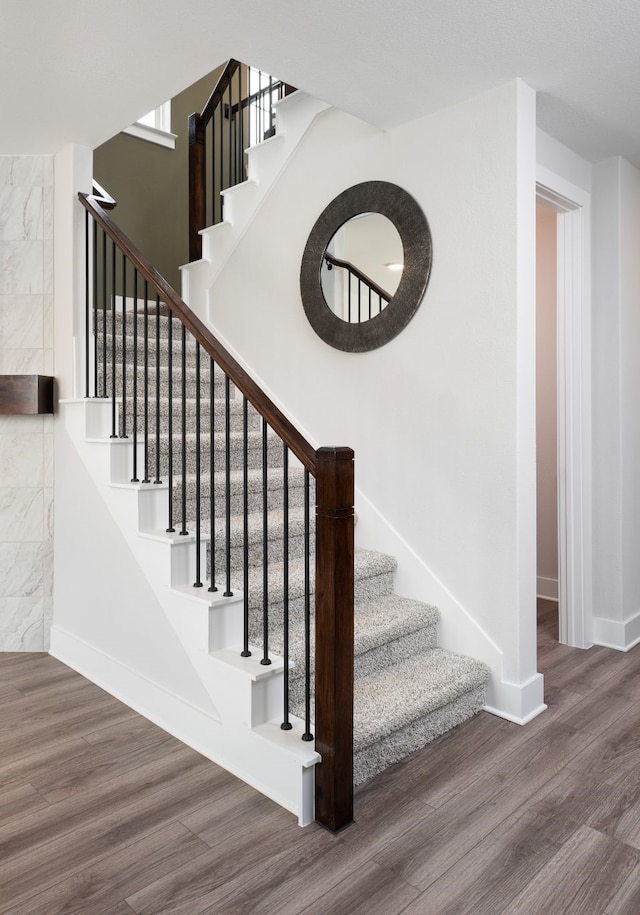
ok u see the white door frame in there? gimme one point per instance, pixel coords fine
(575, 587)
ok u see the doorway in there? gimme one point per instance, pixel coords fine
(547, 416)
(564, 214)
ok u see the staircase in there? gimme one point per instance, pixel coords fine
(216, 503)
(407, 690)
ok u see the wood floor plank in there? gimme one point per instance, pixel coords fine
(493, 873)
(491, 816)
(73, 833)
(18, 800)
(627, 899)
(428, 850)
(582, 877)
(286, 871)
(615, 751)
(107, 882)
(371, 890)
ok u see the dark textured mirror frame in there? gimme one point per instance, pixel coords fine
(404, 212)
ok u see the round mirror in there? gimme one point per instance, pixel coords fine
(366, 266)
(362, 267)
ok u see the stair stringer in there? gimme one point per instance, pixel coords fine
(294, 115)
(241, 731)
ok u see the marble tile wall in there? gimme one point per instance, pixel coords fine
(26, 442)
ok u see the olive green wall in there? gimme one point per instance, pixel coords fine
(151, 184)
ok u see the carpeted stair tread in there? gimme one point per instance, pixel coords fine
(377, 623)
(393, 698)
(369, 565)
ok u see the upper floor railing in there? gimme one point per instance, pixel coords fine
(239, 113)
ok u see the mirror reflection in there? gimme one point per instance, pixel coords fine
(362, 267)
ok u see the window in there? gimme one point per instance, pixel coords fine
(155, 126)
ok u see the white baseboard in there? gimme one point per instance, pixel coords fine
(547, 588)
(517, 702)
(619, 634)
(258, 756)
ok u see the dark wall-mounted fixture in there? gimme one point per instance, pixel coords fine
(26, 394)
(360, 335)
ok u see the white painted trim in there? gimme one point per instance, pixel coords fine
(547, 588)
(575, 591)
(517, 702)
(619, 634)
(152, 135)
(245, 752)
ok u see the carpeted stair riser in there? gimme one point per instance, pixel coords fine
(378, 756)
(275, 492)
(254, 421)
(398, 708)
(104, 388)
(129, 346)
(236, 452)
(275, 540)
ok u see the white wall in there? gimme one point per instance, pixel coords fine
(444, 438)
(616, 317)
(546, 407)
(26, 442)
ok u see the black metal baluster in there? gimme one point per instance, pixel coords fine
(369, 302)
(359, 301)
(123, 433)
(184, 530)
(227, 485)
(230, 153)
(286, 724)
(349, 296)
(114, 433)
(157, 479)
(242, 168)
(198, 582)
(104, 313)
(307, 614)
(245, 524)
(221, 157)
(212, 475)
(170, 528)
(134, 478)
(265, 550)
(145, 341)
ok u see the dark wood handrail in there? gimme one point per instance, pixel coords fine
(336, 262)
(302, 449)
(224, 81)
(333, 469)
(245, 102)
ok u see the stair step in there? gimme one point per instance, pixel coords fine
(386, 631)
(275, 491)
(402, 708)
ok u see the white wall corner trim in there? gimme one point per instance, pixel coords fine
(619, 634)
(517, 702)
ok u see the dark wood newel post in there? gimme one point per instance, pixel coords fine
(197, 185)
(334, 636)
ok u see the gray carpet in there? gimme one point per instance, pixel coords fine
(407, 690)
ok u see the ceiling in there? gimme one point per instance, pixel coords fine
(79, 70)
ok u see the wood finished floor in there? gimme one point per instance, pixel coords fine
(102, 812)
